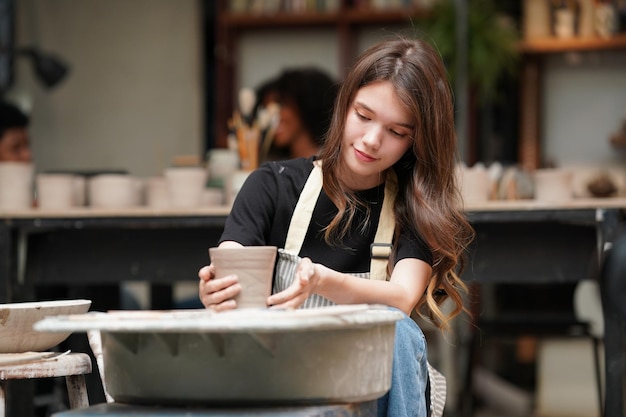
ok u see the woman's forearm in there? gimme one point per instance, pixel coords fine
(402, 293)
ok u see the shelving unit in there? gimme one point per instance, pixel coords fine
(534, 51)
(345, 22)
(552, 45)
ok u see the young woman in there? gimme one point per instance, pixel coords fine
(383, 186)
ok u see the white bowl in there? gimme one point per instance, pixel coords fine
(553, 185)
(115, 191)
(55, 191)
(16, 324)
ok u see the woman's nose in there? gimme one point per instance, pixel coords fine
(373, 136)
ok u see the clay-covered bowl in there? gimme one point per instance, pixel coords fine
(16, 324)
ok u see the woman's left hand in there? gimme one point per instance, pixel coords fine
(303, 285)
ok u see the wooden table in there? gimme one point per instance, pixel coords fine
(85, 246)
(517, 242)
(529, 242)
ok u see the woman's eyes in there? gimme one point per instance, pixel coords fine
(361, 116)
(396, 133)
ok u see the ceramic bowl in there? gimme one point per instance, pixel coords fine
(553, 185)
(185, 185)
(55, 191)
(114, 191)
(16, 324)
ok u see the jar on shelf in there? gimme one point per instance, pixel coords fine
(586, 19)
(565, 19)
(605, 19)
(536, 23)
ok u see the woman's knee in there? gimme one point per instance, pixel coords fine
(409, 336)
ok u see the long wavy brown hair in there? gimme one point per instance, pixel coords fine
(428, 200)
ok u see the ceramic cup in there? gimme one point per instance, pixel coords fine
(212, 197)
(185, 186)
(221, 164)
(16, 185)
(157, 193)
(553, 185)
(474, 184)
(114, 191)
(55, 191)
(254, 267)
(233, 184)
(79, 183)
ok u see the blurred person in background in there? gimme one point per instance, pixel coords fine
(14, 141)
(305, 97)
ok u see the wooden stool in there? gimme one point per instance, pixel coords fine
(365, 409)
(72, 366)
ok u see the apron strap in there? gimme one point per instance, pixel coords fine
(380, 250)
(303, 212)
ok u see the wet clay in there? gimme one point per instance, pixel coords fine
(254, 267)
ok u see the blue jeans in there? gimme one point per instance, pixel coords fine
(407, 396)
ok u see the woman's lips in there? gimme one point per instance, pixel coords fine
(361, 156)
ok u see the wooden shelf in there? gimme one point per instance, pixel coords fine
(347, 20)
(281, 19)
(368, 16)
(554, 45)
(289, 20)
(530, 118)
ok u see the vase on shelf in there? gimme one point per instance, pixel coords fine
(536, 19)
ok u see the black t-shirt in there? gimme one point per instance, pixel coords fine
(264, 206)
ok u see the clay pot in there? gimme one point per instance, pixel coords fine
(254, 267)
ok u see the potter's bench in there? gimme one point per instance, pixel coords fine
(72, 366)
(366, 409)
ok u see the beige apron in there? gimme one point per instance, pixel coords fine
(288, 258)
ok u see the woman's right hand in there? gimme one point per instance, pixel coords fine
(217, 294)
